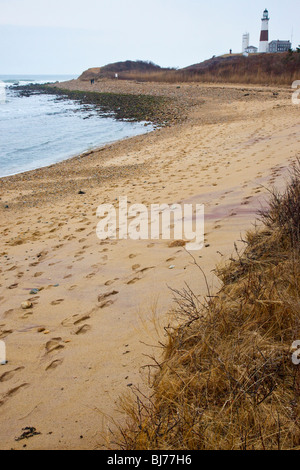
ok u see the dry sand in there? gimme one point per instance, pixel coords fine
(90, 329)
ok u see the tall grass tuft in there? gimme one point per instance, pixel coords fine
(227, 380)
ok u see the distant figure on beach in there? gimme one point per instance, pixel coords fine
(230, 52)
(116, 75)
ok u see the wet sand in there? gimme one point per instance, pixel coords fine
(101, 305)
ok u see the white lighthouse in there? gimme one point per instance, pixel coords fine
(264, 35)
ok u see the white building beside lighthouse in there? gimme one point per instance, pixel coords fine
(264, 35)
(246, 41)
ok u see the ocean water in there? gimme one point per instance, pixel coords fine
(40, 130)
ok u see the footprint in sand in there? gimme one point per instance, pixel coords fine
(57, 302)
(54, 345)
(10, 374)
(104, 296)
(4, 333)
(42, 255)
(90, 276)
(76, 319)
(145, 269)
(57, 247)
(8, 312)
(69, 237)
(81, 319)
(12, 269)
(111, 281)
(135, 267)
(54, 364)
(69, 322)
(12, 286)
(132, 256)
(11, 393)
(34, 264)
(82, 329)
(106, 304)
(38, 274)
(133, 281)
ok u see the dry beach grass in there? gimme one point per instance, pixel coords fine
(226, 380)
(272, 69)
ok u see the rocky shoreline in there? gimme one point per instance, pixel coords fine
(158, 110)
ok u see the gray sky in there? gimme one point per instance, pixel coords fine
(69, 36)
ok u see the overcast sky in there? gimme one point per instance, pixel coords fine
(69, 36)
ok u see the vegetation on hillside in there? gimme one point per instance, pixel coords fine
(280, 68)
(109, 71)
(227, 379)
(264, 69)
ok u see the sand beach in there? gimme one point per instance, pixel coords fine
(97, 309)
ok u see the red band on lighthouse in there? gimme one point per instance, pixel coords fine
(264, 35)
